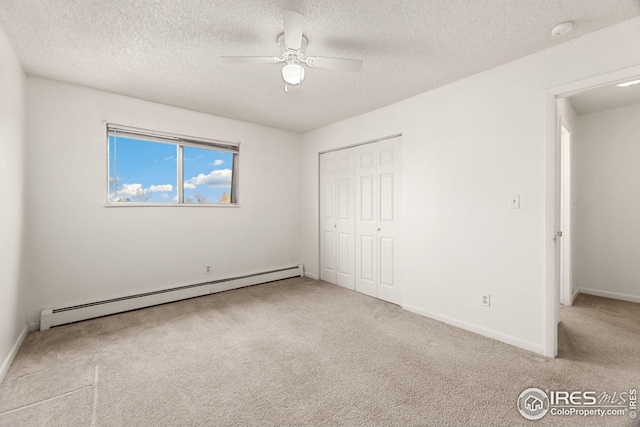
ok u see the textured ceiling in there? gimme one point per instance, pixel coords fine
(606, 98)
(168, 50)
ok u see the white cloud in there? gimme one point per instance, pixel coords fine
(169, 158)
(217, 178)
(126, 191)
(217, 162)
(189, 186)
(130, 191)
(164, 195)
(161, 188)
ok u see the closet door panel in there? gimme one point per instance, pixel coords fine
(328, 224)
(388, 179)
(366, 220)
(345, 177)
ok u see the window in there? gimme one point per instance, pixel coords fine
(153, 168)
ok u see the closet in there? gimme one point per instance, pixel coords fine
(359, 218)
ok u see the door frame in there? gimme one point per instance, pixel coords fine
(565, 263)
(552, 194)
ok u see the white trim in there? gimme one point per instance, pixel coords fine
(12, 354)
(50, 317)
(608, 294)
(170, 205)
(617, 76)
(311, 275)
(45, 318)
(490, 333)
(357, 144)
(551, 276)
(566, 226)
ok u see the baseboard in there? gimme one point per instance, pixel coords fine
(53, 317)
(12, 354)
(311, 275)
(607, 294)
(490, 333)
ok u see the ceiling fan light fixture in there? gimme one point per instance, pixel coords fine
(293, 74)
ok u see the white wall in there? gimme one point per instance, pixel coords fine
(12, 207)
(609, 203)
(82, 251)
(570, 117)
(467, 146)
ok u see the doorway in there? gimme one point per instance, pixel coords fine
(559, 271)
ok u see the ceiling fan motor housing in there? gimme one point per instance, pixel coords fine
(292, 56)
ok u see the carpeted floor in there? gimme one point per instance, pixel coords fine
(303, 352)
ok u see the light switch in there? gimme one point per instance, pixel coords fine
(514, 201)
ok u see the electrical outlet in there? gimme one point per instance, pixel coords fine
(207, 269)
(486, 300)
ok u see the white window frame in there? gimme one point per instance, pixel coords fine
(180, 141)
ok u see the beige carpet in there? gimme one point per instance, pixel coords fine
(302, 352)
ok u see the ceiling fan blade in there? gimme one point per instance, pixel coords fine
(353, 65)
(250, 59)
(293, 24)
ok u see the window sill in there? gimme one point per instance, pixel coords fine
(171, 205)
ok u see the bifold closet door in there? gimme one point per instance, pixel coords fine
(359, 210)
(377, 214)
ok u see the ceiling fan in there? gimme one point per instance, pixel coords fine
(293, 47)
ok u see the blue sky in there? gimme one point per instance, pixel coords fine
(150, 168)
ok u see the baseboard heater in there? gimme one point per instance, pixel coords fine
(59, 316)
